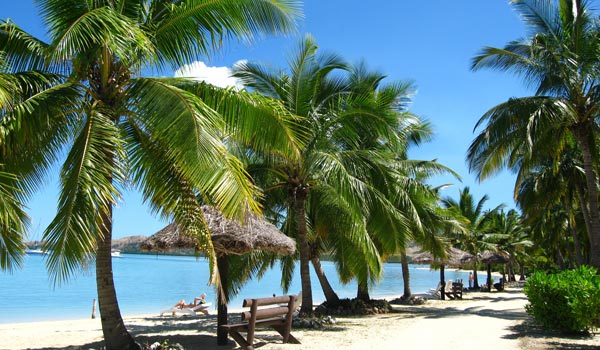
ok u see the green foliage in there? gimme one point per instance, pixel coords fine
(567, 301)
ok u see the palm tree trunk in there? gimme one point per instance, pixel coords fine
(582, 136)
(405, 275)
(521, 272)
(115, 334)
(222, 299)
(363, 291)
(299, 202)
(586, 216)
(559, 259)
(576, 245)
(330, 295)
(475, 279)
(442, 282)
(489, 278)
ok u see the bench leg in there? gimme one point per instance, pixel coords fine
(285, 333)
(241, 340)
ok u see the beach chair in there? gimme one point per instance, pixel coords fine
(449, 291)
(435, 293)
(192, 311)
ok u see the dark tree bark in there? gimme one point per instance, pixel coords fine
(442, 283)
(577, 252)
(299, 195)
(222, 298)
(363, 291)
(475, 279)
(583, 138)
(405, 275)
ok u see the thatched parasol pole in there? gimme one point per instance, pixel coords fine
(223, 266)
(229, 237)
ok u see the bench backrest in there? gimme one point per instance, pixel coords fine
(285, 307)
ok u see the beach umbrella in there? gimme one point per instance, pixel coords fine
(229, 237)
(454, 257)
(493, 257)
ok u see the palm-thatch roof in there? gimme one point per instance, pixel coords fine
(454, 257)
(228, 236)
(491, 257)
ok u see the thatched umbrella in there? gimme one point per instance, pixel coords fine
(454, 257)
(490, 257)
(229, 237)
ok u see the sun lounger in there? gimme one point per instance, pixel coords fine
(192, 311)
(435, 292)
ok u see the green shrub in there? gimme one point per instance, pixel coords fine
(567, 301)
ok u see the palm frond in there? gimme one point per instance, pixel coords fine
(86, 197)
(13, 224)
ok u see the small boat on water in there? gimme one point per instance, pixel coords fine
(35, 252)
(115, 253)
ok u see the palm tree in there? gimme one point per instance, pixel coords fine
(558, 191)
(475, 221)
(331, 166)
(405, 212)
(14, 220)
(559, 59)
(508, 234)
(119, 128)
(427, 232)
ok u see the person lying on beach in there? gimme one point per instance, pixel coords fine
(181, 304)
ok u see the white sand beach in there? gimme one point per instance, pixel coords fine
(492, 321)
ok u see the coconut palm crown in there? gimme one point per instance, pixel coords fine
(90, 106)
(559, 59)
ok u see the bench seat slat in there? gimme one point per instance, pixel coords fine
(266, 313)
(279, 318)
(242, 327)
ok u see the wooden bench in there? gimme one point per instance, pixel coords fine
(456, 292)
(278, 316)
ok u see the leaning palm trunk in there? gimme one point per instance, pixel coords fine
(299, 202)
(330, 295)
(582, 137)
(405, 275)
(115, 334)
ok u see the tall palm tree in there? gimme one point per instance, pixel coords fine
(559, 59)
(119, 128)
(475, 221)
(558, 189)
(331, 163)
(395, 178)
(508, 234)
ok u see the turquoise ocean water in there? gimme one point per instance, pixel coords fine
(146, 284)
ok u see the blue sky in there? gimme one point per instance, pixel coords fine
(428, 42)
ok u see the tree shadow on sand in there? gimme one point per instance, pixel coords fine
(437, 312)
(192, 332)
(535, 337)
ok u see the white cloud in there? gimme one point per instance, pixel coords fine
(218, 76)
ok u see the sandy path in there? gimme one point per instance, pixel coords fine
(484, 320)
